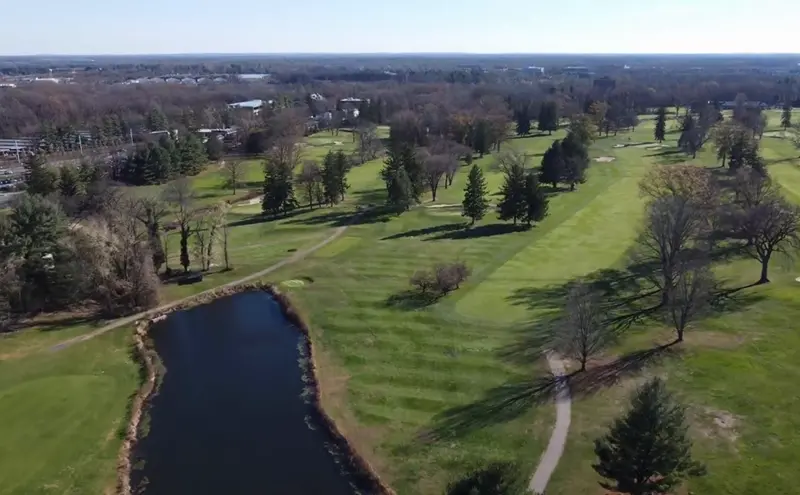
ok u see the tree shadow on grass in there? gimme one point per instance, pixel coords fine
(436, 229)
(510, 401)
(54, 323)
(480, 231)
(378, 214)
(410, 300)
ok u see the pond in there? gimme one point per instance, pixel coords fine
(229, 416)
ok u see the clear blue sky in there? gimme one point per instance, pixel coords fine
(366, 26)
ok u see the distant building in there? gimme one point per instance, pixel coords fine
(252, 77)
(8, 85)
(253, 106)
(18, 146)
(577, 70)
(534, 69)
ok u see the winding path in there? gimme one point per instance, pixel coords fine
(299, 255)
(558, 438)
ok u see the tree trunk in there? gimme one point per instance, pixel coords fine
(764, 268)
(583, 364)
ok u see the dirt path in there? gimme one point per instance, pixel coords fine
(299, 255)
(558, 439)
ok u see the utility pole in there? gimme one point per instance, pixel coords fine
(131, 134)
(16, 146)
(80, 143)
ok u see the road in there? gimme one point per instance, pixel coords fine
(558, 438)
(152, 312)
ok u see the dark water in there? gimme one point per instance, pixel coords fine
(229, 418)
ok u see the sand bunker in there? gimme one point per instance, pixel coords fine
(293, 283)
(619, 145)
(605, 159)
(444, 206)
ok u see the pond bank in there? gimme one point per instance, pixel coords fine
(357, 468)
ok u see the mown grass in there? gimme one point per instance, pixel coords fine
(465, 368)
(61, 416)
(429, 392)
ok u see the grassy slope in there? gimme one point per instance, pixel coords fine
(61, 417)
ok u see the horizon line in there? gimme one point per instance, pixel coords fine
(384, 54)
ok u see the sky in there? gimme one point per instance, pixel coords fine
(399, 26)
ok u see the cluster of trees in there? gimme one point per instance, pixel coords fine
(320, 183)
(51, 262)
(567, 161)
(691, 214)
(166, 159)
(547, 118)
(440, 280)
(205, 228)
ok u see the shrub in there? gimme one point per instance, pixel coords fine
(423, 281)
(441, 280)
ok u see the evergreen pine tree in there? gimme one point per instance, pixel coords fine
(513, 204)
(648, 450)
(523, 118)
(535, 200)
(278, 189)
(192, 155)
(329, 179)
(548, 117)
(576, 161)
(475, 203)
(69, 182)
(401, 156)
(786, 116)
(39, 178)
(553, 166)
(661, 125)
(341, 167)
(687, 124)
(400, 190)
(480, 138)
(156, 120)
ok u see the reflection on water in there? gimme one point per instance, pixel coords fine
(229, 417)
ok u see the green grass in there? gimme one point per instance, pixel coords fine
(427, 393)
(408, 369)
(61, 417)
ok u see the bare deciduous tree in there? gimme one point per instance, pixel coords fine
(752, 188)
(232, 169)
(180, 196)
(679, 219)
(672, 228)
(117, 262)
(310, 181)
(221, 213)
(583, 334)
(690, 295)
(435, 167)
(368, 142)
(150, 211)
(202, 239)
(770, 227)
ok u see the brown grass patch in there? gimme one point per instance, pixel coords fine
(714, 340)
